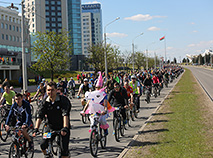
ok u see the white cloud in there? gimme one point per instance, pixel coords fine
(169, 48)
(153, 28)
(116, 34)
(93, 2)
(191, 45)
(195, 31)
(192, 23)
(141, 17)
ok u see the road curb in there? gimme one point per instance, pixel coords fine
(123, 153)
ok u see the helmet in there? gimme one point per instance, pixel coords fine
(85, 80)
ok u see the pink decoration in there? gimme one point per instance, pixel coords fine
(104, 126)
(100, 80)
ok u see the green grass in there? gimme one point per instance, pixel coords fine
(184, 138)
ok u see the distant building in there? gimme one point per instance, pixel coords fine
(74, 25)
(91, 22)
(46, 15)
(10, 44)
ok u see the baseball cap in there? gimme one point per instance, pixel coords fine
(85, 80)
(133, 76)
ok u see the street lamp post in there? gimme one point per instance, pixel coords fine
(105, 45)
(133, 54)
(24, 67)
(147, 54)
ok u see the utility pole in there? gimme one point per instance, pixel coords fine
(155, 59)
(24, 67)
(147, 59)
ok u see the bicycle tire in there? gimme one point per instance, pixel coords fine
(58, 151)
(32, 109)
(116, 129)
(132, 115)
(14, 151)
(84, 119)
(103, 139)
(135, 113)
(93, 143)
(29, 152)
(3, 133)
(122, 126)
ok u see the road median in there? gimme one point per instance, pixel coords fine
(177, 128)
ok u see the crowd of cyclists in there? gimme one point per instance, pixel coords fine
(121, 90)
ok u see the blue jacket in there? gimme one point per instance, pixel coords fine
(24, 116)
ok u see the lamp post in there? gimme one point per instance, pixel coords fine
(133, 53)
(24, 67)
(105, 45)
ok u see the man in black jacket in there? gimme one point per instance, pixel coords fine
(120, 98)
(57, 108)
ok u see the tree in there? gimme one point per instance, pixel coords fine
(52, 51)
(139, 60)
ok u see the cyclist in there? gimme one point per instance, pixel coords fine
(136, 91)
(129, 92)
(21, 111)
(71, 86)
(8, 95)
(166, 76)
(156, 81)
(41, 91)
(110, 84)
(26, 96)
(148, 83)
(57, 108)
(103, 123)
(119, 96)
(83, 89)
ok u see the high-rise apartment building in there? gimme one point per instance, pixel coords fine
(91, 22)
(46, 15)
(10, 44)
(74, 25)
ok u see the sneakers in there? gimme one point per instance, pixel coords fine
(113, 133)
(137, 111)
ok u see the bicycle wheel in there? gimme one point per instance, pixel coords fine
(103, 139)
(84, 118)
(132, 114)
(93, 143)
(14, 151)
(29, 153)
(116, 129)
(128, 118)
(135, 113)
(32, 109)
(122, 126)
(3, 132)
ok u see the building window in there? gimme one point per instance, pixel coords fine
(59, 19)
(33, 19)
(53, 25)
(58, 2)
(14, 38)
(6, 37)
(10, 27)
(6, 26)
(53, 19)
(2, 25)
(47, 7)
(59, 13)
(58, 8)
(17, 39)
(32, 2)
(59, 25)
(47, 13)
(13, 28)
(52, 8)
(47, 19)
(14, 20)
(46, 2)
(17, 28)
(2, 36)
(47, 24)
(53, 2)
(53, 13)
(33, 25)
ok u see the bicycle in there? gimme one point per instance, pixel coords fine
(97, 134)
(19, 145)
(155, 91)
(148, 94)
(85, 117)
(118, 123)
(4, 113)
(54, 143)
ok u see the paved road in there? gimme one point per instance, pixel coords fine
(79, 140)
(205, 77)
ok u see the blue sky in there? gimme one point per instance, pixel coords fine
(186, 24)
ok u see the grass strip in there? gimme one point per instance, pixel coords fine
(184, 138)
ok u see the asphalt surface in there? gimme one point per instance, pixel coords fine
(205, 78)
(79, 139)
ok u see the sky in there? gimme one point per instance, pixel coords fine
(186, 24)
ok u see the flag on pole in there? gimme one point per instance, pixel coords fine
(162, 38)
